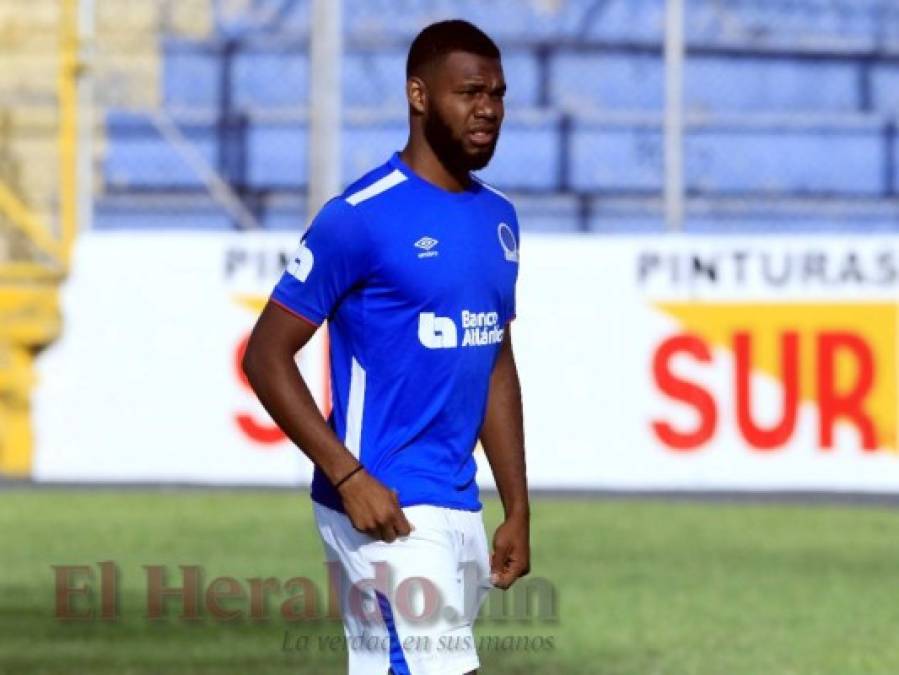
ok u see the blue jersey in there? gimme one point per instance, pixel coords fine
(418, 287)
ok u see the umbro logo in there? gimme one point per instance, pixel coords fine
(426, 244)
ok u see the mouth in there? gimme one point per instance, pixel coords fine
(482, 138)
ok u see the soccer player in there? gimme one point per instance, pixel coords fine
(414, 266)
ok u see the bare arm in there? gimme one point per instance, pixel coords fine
(502, 436)
(272, 372)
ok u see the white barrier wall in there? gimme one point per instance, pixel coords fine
(646, 362)
(145, 384)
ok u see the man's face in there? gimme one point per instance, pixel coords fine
(465, 109)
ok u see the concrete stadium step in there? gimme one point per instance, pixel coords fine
(16, 17)
(187, 18)
(28, 138)
(38, 166)
(29, 119)
(15, 247)
(190, 18)
(127, 80)
(28, 76)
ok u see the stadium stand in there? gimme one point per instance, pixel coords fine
(791, 107)
(39, 68)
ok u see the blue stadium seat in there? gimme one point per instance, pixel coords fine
(632, 82)
(169, 213)
(636, 82)
(375, 79)
(266, 78)
(885, 88)
(866, 23)
(262, 17)
(858, 23)
(389, 18)
(504, 19)
(615, 158)
(624, 20)
(798, 161)
(138, 157)
(270, 78)
(513, 20)
(287, 215)
(404, 18)
(369, 143)
(527, 157)
(547, 213)
(378, 79)
(634, 216)
(894, 163)
(635, 221)
(750, 84)
(625, 224)
(528, 154)
(605, 156)
(733, 160)
(277, 155)
(522, 77)
(191, 75)
(790, 224)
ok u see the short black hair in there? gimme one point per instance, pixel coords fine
(441, 38)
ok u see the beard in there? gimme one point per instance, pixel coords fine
(451, 150)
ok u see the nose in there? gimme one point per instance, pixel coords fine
(487, 108)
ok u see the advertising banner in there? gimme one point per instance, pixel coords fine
(145, 384)
(675, 363)
(764, 363)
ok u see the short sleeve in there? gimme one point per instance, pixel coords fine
(333, 256)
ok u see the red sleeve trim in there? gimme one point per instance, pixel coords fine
(294, 312)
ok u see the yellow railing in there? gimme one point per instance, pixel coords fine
(29, 287)
(67, 93)
(40, 59)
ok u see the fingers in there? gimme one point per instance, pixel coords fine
(378, 513)
(515, 570)
(397, 519)
(505, 578)
(502, 580)
(402, 526)
(498, 562)
(387, 533)
(396, 526)
(390, 526)
(383, 528)
(506, 566)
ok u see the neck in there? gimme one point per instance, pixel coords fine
(419, 156)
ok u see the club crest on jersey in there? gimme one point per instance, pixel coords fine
(507, 241)
(425, 246)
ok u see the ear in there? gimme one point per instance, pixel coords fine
(417, 94)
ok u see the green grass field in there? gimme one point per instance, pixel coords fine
(644, 587)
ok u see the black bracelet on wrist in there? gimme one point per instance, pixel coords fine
(348, 476)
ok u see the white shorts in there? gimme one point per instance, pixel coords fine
(410, 605)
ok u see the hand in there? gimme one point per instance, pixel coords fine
(373, 509)
(511, 557)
